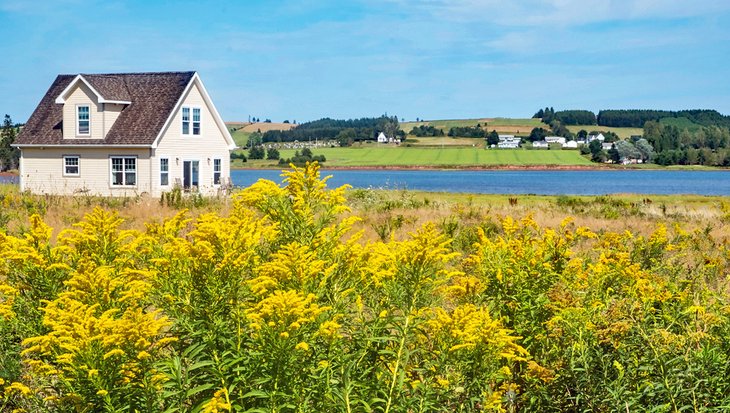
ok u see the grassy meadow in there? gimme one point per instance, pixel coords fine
(307, 298)
(519, 126)
(374, 155)
(434, 151)
(242, 130)
(501, 125)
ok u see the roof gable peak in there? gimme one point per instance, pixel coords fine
(80, 78)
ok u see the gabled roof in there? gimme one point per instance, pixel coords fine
(153, 99)
(107, 88)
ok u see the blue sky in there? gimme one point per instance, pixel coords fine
(432, 59)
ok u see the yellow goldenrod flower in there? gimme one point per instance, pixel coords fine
(19, 388)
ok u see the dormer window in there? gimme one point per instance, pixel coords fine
(187, 120)
(82, 120)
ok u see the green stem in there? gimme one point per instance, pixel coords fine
(397, 363)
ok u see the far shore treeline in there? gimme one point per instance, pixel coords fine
(344, 131)
(684, 137)
(632, 118)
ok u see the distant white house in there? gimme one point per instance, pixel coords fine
(607, 145)
(540, 145)
(598, 137)
(509, 142)
(384, 139)
(571, 145)
(555, 139)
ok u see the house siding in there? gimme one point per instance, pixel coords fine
(210, 144)
(82, 95)
(42, 171)
(111, 112)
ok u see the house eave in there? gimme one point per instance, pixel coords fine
(61, 99)
(77, 145)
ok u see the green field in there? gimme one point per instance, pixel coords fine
(521, 126)
(240, 137)
(436, 157)
(533, 122)
(497, 123)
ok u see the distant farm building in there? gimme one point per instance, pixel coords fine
(555, 139)
(384, 139)
(509, 142)
(598, 137)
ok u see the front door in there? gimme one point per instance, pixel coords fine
(190, 174)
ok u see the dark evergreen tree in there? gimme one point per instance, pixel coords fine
(492, 138)
(272, 154)
(9, 156)
(256, 152)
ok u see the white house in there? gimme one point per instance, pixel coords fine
(571, 145)
(384, 139)
(508, 142)
(607, 146)
(540, 145)
(125, 134)
(555, 139)
(598, 137)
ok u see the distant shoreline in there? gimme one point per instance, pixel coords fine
(597, 167)
(442, 167)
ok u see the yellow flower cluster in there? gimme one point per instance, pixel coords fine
(283, 310)
(468, 327)
(219, 403)
(7, 295)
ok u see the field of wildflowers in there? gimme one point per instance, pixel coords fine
(287, 302)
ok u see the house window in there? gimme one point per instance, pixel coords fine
(196, 121)
(71, 165)
(124, 170)
(164, 171)
(82, 120)
(186, 121)
(216, 171)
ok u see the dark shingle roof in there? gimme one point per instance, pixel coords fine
(153, 97)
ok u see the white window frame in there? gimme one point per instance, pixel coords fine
(191, 122)
(78, 121)
(167, 172)
(199, 122)
(219, 171)
(65, 165)
(124, 171)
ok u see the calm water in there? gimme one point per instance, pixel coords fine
(517, 182)
(522, 182)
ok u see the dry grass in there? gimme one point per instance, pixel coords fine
(632, 213)
(396, 213)
(264, 127)
(62, 212)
